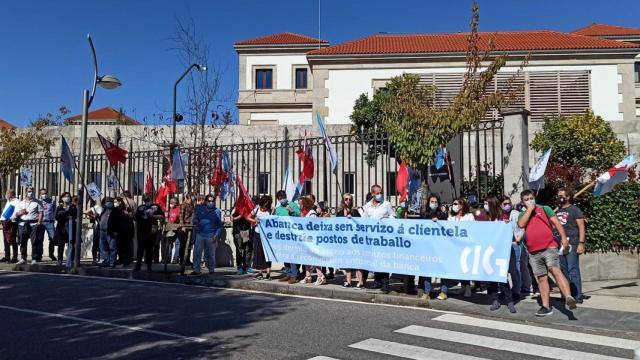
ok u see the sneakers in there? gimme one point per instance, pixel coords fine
(241, 271)
(347, 285)
(320, 281)
(442, 296)
(495, 305)
(34, 262)
(544, 311)
(250, 271)
(467, 291)
(570, 302)
(511, 307)
(22, 261)
(359, 286)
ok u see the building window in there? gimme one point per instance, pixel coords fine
(301, 78)
(137, 183)
(349, 183)
(263, 183)
(264, 79)
(636, 72)
(391, 183)
(96, 177)
(52, 183)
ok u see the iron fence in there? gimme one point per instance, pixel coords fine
(262, 164)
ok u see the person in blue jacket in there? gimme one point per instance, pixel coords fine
(208, 223)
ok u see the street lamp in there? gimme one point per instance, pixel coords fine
(107, 82)
(201, 68)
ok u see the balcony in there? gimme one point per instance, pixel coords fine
(290, 97)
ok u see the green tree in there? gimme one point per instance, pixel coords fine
(415, 125)
(584, 140)
(19, 145)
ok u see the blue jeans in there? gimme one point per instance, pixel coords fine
(108, 249)
(570, 265)
(176, 250)
(427, 286)
(292, 271)
(515, 270)
(204, 242)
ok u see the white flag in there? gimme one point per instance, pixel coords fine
(614, 176)
(536, 175)
(331, 151)
(288, 185)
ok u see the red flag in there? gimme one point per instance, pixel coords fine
(115, 154)
(402, 180)
(169, 182)
(161, 197)
(148, 184)
(244, 205)
(219, 176)
(306, 157)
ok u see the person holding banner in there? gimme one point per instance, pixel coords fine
(379, 208)
(495, 213)
(537, 222)
(10, 227)
(348, 211)
(286, 208)
(260, 262)
(460, 211)
(307, 210)
(66, 214)
(432, 212)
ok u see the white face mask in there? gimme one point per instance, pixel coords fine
(455, 208)
(486, 207)
(29, 195)
(66, 200)
(531, 202)
(433, 206)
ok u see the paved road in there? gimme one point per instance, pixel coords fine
(66, 317)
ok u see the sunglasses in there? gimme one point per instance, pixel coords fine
(455, 203)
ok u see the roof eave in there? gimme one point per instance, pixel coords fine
(632, 52)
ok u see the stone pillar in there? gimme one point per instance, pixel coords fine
(515, 148)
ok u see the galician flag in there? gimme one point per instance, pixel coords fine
(614, 176)
(67, 162)
(331, 151)
(288, 185)
(536, 175)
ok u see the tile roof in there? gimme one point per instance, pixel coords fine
(457, 43)
(106, 113)
(286, 38)
(606, 30)
(6, 125)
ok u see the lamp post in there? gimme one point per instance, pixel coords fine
(201, 68)
(108, 82)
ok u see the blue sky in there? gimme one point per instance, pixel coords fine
(45, 60)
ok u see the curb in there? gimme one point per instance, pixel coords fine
(221, 280)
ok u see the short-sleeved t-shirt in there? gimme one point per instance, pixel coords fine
(568, 217)
(538, 230)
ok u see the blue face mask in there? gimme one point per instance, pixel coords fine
(210, 205)
(379, 198)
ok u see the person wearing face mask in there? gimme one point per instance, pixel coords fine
(572, 220)
(48, 219)
(284, 207)
(111, 224)
(93, 213)
(495, 212)
(29, 213)
(459, 212)
(10, 227)
(537, 222)
(208, 224)
(349, 211)
(148, 216)
(65, 234)
(379, 208)
(431, 212)
(185, 235)
(173, 242)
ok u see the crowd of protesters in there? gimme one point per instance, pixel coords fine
(544, 241)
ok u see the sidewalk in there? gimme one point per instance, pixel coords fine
(613, 305)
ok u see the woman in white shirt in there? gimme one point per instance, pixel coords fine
(460, 212)
(306, 210)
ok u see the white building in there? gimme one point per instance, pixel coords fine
(285, 78)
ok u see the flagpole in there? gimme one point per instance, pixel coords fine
(584, 189)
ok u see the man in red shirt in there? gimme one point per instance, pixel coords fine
(543, 249)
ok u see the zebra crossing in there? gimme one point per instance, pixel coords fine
(613, 348)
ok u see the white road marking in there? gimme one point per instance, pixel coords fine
(104, 323)
(540, 331)
(409, 351)
(235, 290)
(519, 347)
(323, 358)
